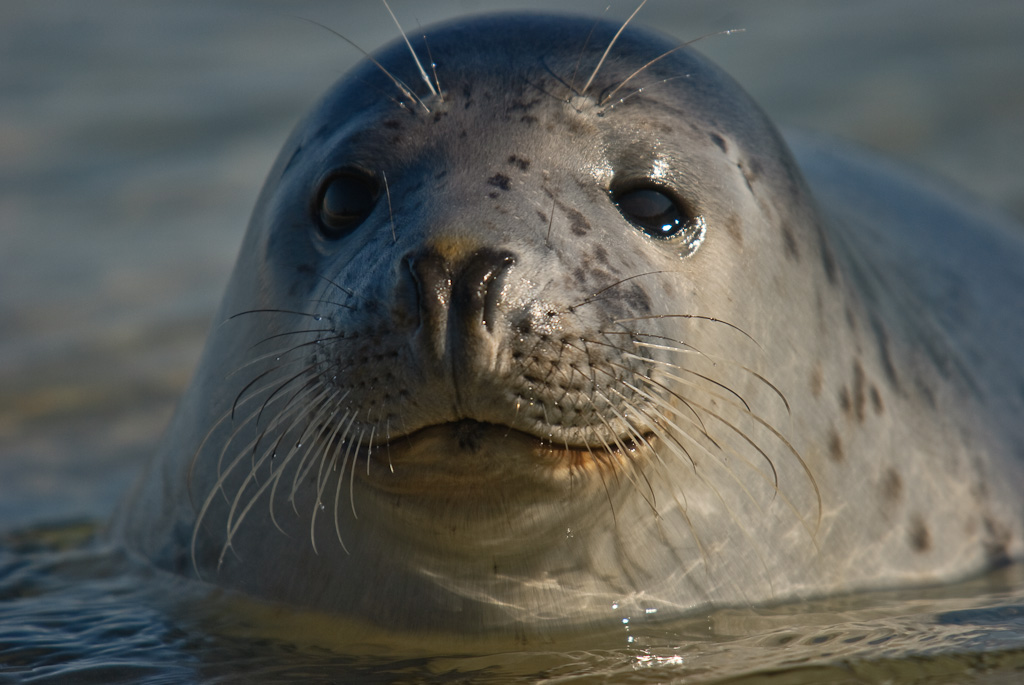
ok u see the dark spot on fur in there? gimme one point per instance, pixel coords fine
(523, 106)
(817, 379)
(392, 124)
(835, 447)
(731, 224)
(500, 181)
(720, 142)
(519, 162)
(844, 401)
(926, 392)
(882, 338)
(440, 174)
(892, 486)
(876, 400)
(997, 542)
(748, 179)
(851, 320)
(601, 254)
(828, 261)
(860, 399)
(578, 223)
(792, 249)
(307, 275)
(542, 216)
(750, 175)
(638, 300)
(920, 538)
(528, 119)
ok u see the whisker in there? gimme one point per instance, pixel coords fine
(340, 470)
(662, 56)
(234, 523)
(583, 51)
(433, 66)
(604, 102)
(301, 331)
(717, 360)
(608, 49)
(415, 57)
(683, 369)
(352, 473)
(271, 452)
(391, 212)
(294, 312)
(593, 297)
(402, 87)
(324, 471)
(696, 317)
(339, 286)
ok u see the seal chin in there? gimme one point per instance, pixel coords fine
(466, 459)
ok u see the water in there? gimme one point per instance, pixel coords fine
(133, 140)
(75, 612)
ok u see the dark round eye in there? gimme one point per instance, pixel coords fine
(653, 211)
(345, 200)
(659, 214)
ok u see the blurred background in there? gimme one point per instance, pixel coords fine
(134, 136)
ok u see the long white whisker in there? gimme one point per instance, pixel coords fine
(608, 49)
(415, 57)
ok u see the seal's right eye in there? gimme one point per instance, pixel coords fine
(345, 200)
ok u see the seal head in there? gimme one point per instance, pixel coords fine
(535, 338)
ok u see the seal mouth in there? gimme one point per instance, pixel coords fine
(471, 452)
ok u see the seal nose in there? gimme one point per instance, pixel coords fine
(459, 301)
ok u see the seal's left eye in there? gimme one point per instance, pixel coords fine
(345, 200)
(653, 211)
(660, 214)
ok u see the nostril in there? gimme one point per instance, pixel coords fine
(476, 292)
(432, 281)
(494, 286)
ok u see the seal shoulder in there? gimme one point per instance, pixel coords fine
(961, 261)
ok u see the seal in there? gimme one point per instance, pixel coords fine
(562, 331)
